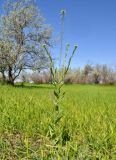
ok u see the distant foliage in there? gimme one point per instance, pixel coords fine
(97, 74)
(41, 78)
(89, 74)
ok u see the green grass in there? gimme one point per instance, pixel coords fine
(88, 120)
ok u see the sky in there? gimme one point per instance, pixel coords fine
(91, 24)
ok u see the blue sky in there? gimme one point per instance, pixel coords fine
(89, 23)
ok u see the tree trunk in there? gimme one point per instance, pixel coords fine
(3, 76)
(10, 77)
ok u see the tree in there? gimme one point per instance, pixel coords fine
(86, 72)
(104, 74)
(96, 74)
(22, 33)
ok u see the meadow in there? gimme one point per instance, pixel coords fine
(87, 130)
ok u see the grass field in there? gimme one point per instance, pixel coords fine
(88, 124)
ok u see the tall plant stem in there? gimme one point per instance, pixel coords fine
(61, 36)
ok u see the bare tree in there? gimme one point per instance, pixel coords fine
(86, 72)
(96, 74)
(104, 73)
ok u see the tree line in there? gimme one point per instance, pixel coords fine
(92, 74)
(89, 74)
